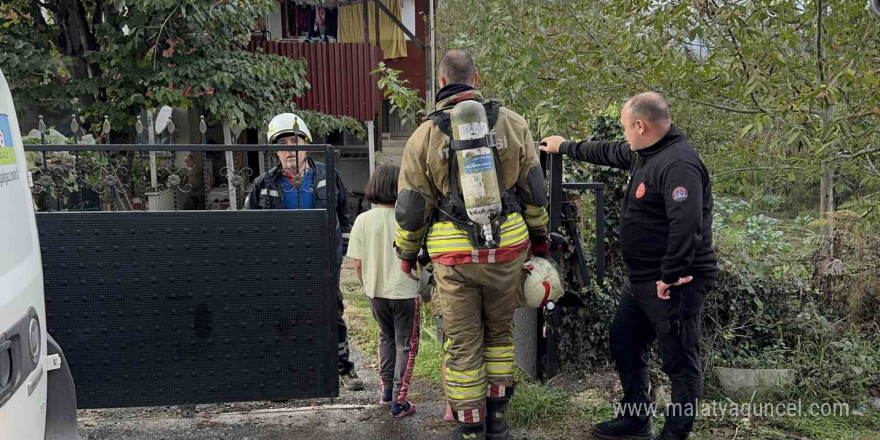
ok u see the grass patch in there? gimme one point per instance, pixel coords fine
(535, 406)
(865, 427)
(429, 361)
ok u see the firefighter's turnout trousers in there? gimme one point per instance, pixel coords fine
(478, 301)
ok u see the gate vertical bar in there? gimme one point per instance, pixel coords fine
(74, 127)
(203, 128)
(105, 128)
(151, 138)
(230, 167)
(600, 237)
(139, 130)
(171, 141)
(263, 139)
(548, 338)
(334, 265)
(371, 144)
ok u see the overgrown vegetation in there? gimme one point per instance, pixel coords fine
(779, 98)
(115, 58)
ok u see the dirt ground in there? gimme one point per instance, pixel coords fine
(354, 415)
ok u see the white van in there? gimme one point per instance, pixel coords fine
(37, 397)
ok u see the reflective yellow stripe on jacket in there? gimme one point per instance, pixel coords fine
(446, 237)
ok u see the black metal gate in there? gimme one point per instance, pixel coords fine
(187, 307)
(535, 329)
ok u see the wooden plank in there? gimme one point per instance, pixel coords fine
(296, 52)
(334, 79)
(285, 20)
(349, 92)
(365, 81)
(356, 71)
(325, 79)
(317, 74)
(310, 76)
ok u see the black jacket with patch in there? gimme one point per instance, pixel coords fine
(666, 221)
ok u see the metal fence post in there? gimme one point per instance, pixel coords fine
(230, 167)
(263, 139)
(151, 138)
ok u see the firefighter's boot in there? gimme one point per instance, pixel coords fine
(496, 418)
(469, 431)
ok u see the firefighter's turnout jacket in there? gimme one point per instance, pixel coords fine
(424, 189)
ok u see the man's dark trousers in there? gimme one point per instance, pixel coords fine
(641, 318)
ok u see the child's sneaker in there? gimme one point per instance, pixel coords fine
(386, 398)
(401, 410)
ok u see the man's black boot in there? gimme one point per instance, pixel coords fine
(469, 431)
(496, 418)
(624, 428)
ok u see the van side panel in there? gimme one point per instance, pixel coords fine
(23, 415)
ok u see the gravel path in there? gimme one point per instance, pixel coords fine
(354, 415)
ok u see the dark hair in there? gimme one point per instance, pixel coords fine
(457, 67)
(382, 187)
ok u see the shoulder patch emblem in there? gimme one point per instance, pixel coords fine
(640, 191)
(679, 194)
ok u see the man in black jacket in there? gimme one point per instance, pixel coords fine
(298, 182)
(666, 241)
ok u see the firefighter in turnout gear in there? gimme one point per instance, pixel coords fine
(471, 187)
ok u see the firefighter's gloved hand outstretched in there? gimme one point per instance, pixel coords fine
(408, 267)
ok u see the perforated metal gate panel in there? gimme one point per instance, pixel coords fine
(525, 338)
(159, 308)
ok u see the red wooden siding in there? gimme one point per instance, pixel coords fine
(339, 74)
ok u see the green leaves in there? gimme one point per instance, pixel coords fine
(404, 100)
(182, 53)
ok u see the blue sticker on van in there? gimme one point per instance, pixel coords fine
(7, 149)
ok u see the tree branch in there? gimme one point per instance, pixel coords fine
(740, 170)
(819, 52)
(868, 150)
(745, 111)
(159, 35)
(98, 15)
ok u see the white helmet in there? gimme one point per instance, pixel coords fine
(543, 283)
(288, 123)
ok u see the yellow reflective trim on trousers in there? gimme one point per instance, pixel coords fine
(499, 364)
(499, 360)
(462, 393)
(466, 376)
(466, 385)
(499, 352)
